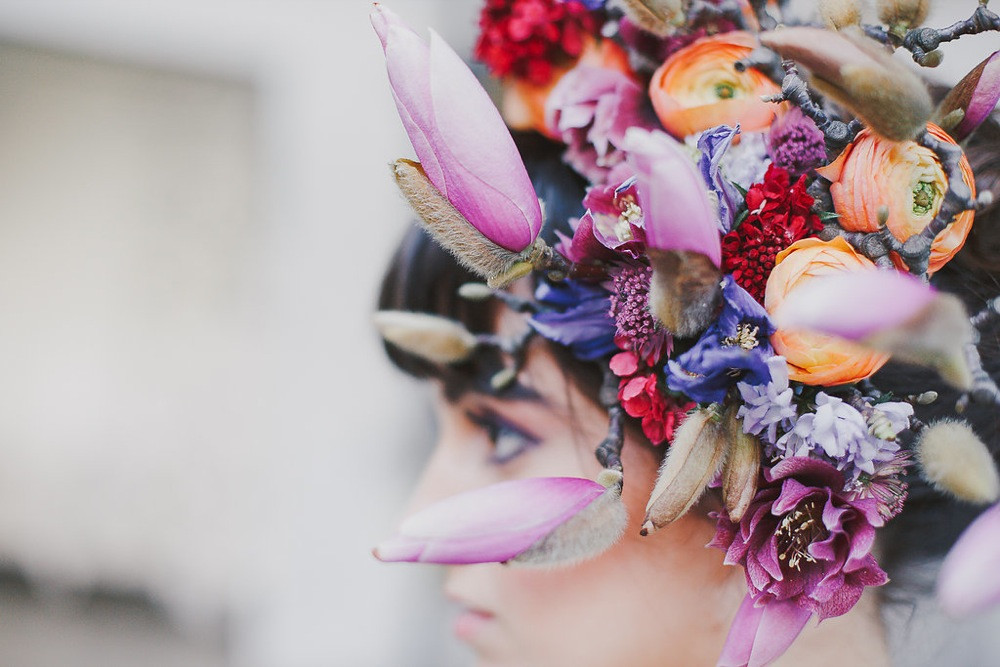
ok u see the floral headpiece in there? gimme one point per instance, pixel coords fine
(751, 253)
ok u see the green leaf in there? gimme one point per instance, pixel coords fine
(828, 215)
(740, 188)
(740, 218)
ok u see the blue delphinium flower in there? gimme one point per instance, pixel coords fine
(578, 316)
(734, 348)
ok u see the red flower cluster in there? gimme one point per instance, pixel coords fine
(778, 215)
(526, 37)
(642, 397)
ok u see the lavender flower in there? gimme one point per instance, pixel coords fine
(746, 162)
(839, 433)
(713, 144)
(630, 309)
(734, 347)
(795, 143)
(768, 407)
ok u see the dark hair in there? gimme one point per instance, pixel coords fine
(425, 278)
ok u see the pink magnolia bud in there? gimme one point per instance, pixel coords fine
(458, 135)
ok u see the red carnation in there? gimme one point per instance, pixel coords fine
(527, 38)
(646, 399)
(779, 214)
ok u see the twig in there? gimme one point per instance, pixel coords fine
(836, 134)
(608, 453)
(922, 43)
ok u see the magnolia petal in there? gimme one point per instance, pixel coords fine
(854, 304)
(761, 635)
(594, 530)
(458, 135)
(485, 176)
(975, 96)
(450, 228)
(491, 524)
(694, 458)
(888, 311)
(969, 581)
(858, 73)
(678, 212)
(436, 339)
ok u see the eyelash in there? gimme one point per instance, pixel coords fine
(507, 440)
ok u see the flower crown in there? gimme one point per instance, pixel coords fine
(751, 253)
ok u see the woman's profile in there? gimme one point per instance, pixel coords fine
(728, 284)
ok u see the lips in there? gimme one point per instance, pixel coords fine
(471, 623)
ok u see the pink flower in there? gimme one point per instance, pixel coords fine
(969, 582)
(677, 211)
(976, 95)
(642, 397)
(458, 135)
(529, 520)
(802, 544)
(591, 108)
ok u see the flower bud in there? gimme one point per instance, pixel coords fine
(903, 13)
(684, 292)
(954, 460)
(740, 471)
(858, 73)
(838, 14)
(452, 231)
(973, 99)
(694, 457)
(595, 529)
(436, 339)
(968, 582)
(655, 16)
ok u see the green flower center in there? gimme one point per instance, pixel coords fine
(725, 91)
(923, 197)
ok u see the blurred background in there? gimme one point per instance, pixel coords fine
(200, 439)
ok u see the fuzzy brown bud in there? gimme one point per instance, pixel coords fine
(694, 457)
(858, 73)
(436, 339)
(684, 292)
(656, 16)
(838, 14)
(451, 230)
(903, 13)
(954, 460)
(741, 470)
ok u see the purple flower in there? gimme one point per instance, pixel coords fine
(458, 135)
(800, 542)
(714, 144)
(576, 315)
(839, 433)
(969, 581)
(746, 163)
(677, 211)
(795, 143)
(769, 406)
(636, 328)
(591, 107)
(735, 347)
(518, 519)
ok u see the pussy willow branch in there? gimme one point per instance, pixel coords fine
(837, 134)
(984, 389)
(988, 315)
(608, 453)
(922, 42)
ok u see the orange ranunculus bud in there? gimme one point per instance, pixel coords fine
(814, 358)
(698, 87)
(904, 177)
(523, 105)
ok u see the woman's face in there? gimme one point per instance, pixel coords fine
(658, 600)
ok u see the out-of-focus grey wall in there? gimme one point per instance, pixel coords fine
(200, 439)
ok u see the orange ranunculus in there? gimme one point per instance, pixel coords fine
(698, 87)
(523, 105)
(904, 177)
(814, 358)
